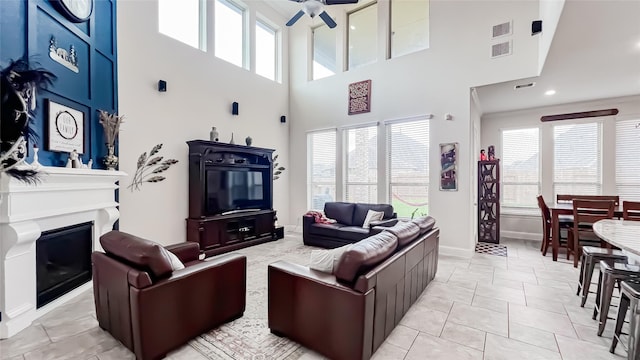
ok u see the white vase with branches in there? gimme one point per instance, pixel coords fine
(111, 125)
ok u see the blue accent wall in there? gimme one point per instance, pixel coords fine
(26, 28)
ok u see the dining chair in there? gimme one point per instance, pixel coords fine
(631, 210)
(585, 213)
(562, 198)
(566, 222)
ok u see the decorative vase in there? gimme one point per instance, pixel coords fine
(232, 142)
(111, 160)
(248, 140)
(213, 135)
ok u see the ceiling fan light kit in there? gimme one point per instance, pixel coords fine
(316, 7)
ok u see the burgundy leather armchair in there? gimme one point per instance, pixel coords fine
(152, 309)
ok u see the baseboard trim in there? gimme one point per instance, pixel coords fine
(521, 235)
(457, 252)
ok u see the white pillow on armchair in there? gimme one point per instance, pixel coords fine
(372, 216)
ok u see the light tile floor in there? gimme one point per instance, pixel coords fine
(518, 307)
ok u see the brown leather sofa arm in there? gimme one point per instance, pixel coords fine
(313, 309)
(200, 296)
(186, 251)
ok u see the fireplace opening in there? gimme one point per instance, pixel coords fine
(63, 261)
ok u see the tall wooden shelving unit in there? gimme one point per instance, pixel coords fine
(489, 201)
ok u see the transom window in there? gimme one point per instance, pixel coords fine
(181, 20)
(324, 52)
(266, 50)
(409, 26)
(230, 32)
(363, 36)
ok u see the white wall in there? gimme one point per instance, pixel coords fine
(550, 11)
(201, 89)
(529, 226)
(434, 81)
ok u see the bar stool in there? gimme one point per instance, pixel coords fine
(629, 298)
(590, 256)
(610, 273)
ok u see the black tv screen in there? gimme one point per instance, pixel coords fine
(229, 190)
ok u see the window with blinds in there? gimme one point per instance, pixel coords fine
(576, 159)
(408, 167)
(628, 160)
(322, 168)
(361, 164)
(520, 168)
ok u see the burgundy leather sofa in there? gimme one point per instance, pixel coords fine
(152, 309)
(347, 316)
(348, 227)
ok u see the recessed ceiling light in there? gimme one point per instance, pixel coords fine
(550, 92)
(524, 86)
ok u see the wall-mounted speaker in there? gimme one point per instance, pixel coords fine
(536, 27)
(283, 119)
(162, 86)
(234, 108)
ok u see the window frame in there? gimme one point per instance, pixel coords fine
(511, 209)
(244, 12)
(313, 51)
(347, 37)
(310, 182)
(390, 54)
(262, 21)
(202, 27)
(345, 162)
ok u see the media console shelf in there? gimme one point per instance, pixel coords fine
(230, 196)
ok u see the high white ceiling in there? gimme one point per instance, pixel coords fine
(595, 54)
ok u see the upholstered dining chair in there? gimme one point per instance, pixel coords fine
(631, 210)
(566, 222)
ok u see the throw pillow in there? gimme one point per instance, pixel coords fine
(372, 216)
(327, 260)
(176, 264)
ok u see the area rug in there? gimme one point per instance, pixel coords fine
(249, 337)
(491, 249)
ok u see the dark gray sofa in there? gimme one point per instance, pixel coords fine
(348, 228)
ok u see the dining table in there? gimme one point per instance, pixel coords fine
(566, 208)
(624, 234)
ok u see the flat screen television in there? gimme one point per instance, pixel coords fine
(236, 189)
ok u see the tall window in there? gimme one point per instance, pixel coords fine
(361, 164)
(266, 50)
(408, 166)
(324, 52)
(363, 36)
(520, 167)
(409, 26)
(229, 32)
(181, 21)
(321, 147)
(576, 159)
(628, 160)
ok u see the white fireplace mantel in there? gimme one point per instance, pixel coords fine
(63, 197)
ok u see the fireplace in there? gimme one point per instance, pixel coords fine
(63, 261)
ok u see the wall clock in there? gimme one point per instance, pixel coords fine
(75, 10)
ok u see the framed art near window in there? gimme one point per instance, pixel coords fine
(65, 128)
(449, 167)
(360, 97)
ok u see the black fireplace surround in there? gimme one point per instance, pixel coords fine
(63, 261)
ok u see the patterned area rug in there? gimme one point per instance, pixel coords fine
(491, 249)
(249, 337)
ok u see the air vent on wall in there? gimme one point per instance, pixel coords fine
(501, 49)
(501, 29)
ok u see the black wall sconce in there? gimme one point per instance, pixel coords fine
(283, 119)
(234, 108)
(162, 86)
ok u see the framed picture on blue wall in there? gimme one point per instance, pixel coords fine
(65, 128)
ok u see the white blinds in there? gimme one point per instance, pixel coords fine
(520, 167)
(361, 159)
(322, 168)
(628, 160)
(408, 169)
(576, 159)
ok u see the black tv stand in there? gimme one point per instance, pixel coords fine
(234, 229)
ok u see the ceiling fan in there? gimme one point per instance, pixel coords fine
(316, 7)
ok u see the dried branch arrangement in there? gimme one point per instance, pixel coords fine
(277, 169)
(111, 125)
(149, 167)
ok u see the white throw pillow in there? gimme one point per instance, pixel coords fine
(372, 216)
(176, 264)
(327, 260)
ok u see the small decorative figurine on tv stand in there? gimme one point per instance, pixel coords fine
(492, 152)
(483, 156)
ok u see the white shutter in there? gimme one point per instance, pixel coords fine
(520, 168)
(576, 159)
(408, 166)
(322, 168)
(628, 160)
(361, 160)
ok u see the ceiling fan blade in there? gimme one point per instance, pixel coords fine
(340, 2)
(295, 18)
(327, 19)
